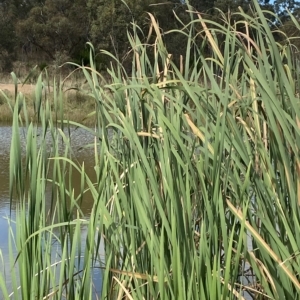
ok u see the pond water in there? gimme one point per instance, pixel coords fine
(79, 137)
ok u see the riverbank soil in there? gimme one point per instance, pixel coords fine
(77, 105)
(26, 89)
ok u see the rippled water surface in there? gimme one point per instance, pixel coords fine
(79, 138)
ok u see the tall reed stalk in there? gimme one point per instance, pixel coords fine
(197, 190)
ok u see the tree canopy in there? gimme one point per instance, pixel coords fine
(49, 30)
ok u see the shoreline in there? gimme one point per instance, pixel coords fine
(77, 106)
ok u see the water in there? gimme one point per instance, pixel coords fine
(79, 137)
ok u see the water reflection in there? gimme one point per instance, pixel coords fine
(78, 138)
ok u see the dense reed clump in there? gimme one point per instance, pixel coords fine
(197, 163)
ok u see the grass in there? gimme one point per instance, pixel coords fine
(77, 105)
(197, 190)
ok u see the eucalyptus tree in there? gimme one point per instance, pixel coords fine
(7, 35)
(110, 20)
(55, 28)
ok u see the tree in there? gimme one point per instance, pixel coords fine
(202, 5)
(56, 27)
(110, 20)
(8, 38)
(282, 5)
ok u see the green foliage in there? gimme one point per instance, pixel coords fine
(42, 66)
(55, 27)
(7, 39)
(40, 30)
(83, 58)
(111, 20)
(197, 186)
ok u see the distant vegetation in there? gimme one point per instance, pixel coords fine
(77, 103)
(50, 32)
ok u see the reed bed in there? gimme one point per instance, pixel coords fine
(77, 104)
(198, 175)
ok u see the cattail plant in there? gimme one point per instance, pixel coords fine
(196, 193)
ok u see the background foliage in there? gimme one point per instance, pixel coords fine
(42, 31)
